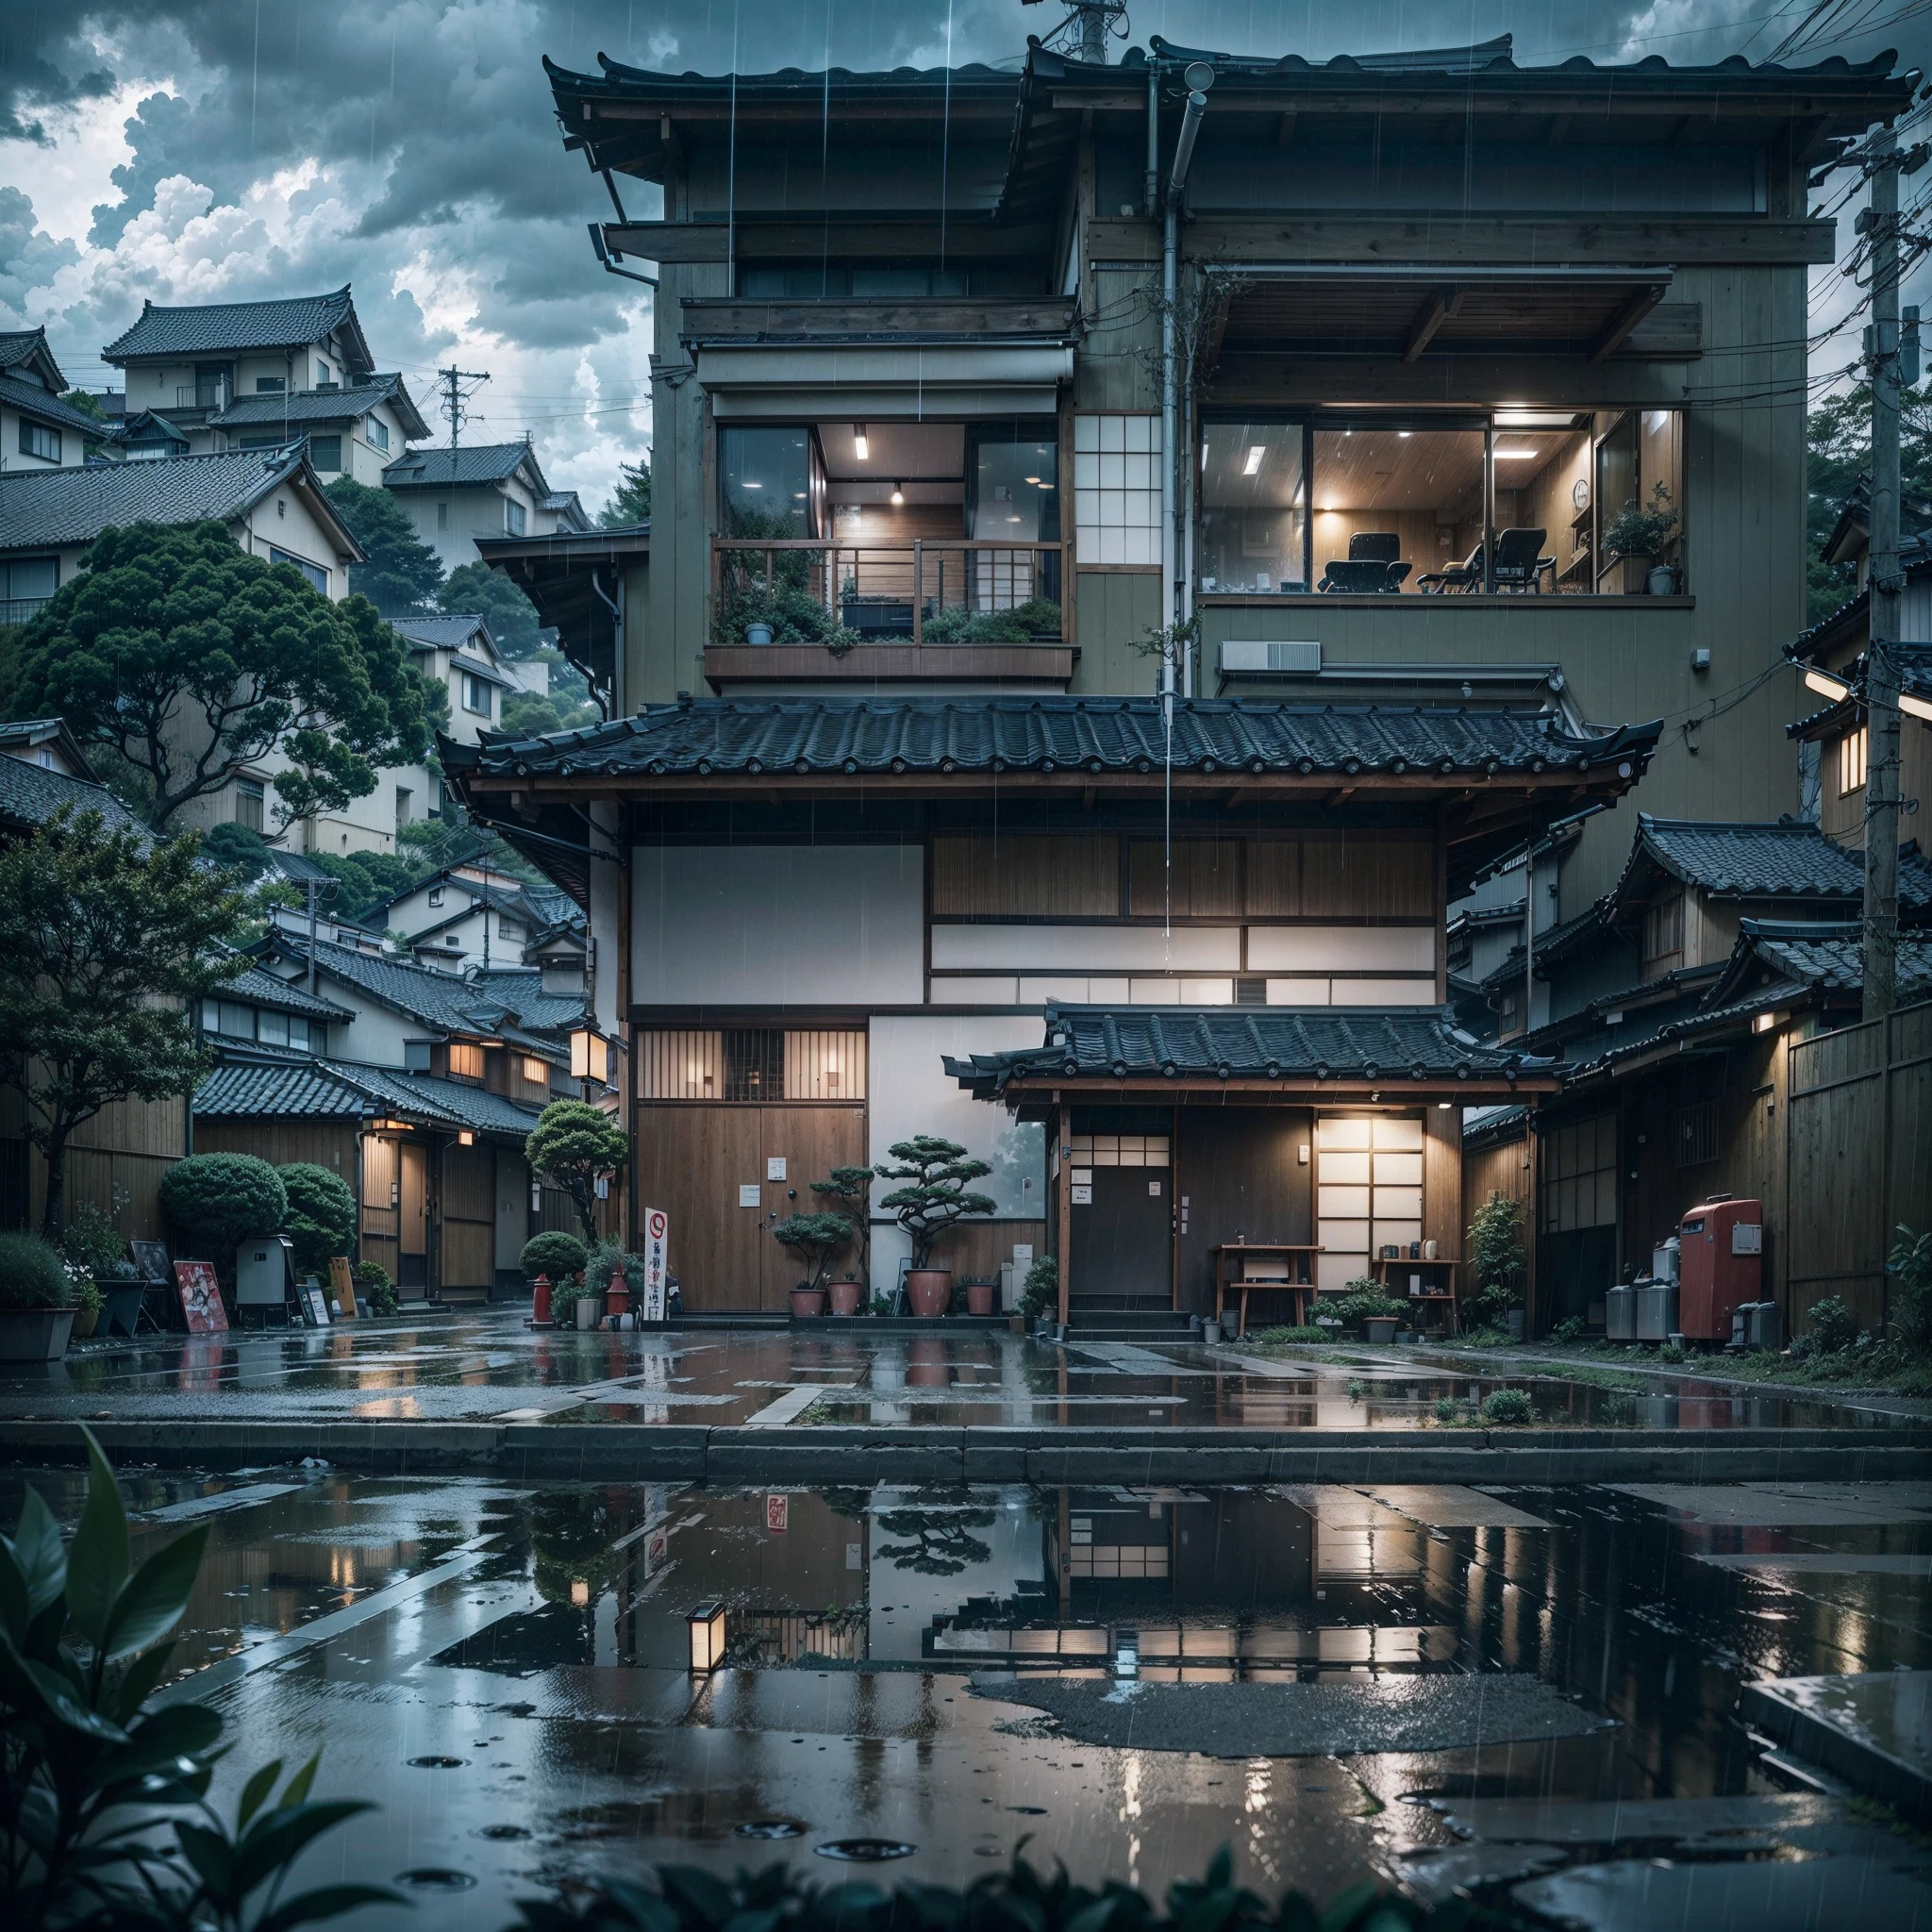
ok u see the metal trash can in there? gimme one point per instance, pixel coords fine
(1620, 1315)
(1656, 1310)
(1765, 1326)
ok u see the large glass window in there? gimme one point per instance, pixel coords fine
(1514, 500)
(1253, 506)
(768, 481)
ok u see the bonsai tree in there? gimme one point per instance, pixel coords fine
(1495, 1257)
(322, 1216)
(816, 1239)
(848, 1189)
(935, 1194)
(557, 1255)
(219, 1201)
(574, 1145)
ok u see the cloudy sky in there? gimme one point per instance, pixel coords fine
(218, 150)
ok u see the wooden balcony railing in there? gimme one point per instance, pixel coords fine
(935, 591)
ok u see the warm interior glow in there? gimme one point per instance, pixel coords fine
(1827, 686)
(1916, 708)
(898, 494)
(588, 1055)
(1763, 1022)
(705, 1624)
(466, 1139)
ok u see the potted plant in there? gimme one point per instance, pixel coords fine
(935, 1195)
(374, 1291)
(848, 1190)
(1642, 534)
(1364, 1304)
(1040, 1292)
(36, 1300)
(980, 1297)
(88, 1303)
(815, 1238)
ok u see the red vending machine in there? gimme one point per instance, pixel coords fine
(1720, 1265)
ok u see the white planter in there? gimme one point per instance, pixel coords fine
(33, 1335)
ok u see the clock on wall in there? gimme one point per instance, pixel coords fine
(1579, 492)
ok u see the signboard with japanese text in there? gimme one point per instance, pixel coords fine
(778, 1514)
(656, 1240)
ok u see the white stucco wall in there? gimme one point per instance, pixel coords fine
(778, 925)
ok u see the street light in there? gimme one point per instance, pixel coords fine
(590, 1055)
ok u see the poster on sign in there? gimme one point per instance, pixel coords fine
(778, 1514)
(201, 1298)
(657, 1239)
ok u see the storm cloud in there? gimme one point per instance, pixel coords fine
(184, 152)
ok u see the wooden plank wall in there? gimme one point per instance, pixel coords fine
(1858, 1150)
(1240, 1171)
(124, 1150)
(692, 1160)
(974, 1250)
(468, 1201)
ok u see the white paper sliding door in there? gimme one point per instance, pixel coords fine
(1368, 1191)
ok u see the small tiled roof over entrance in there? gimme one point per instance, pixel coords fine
(810, 735)
(1417, 1045)
(1788, 859)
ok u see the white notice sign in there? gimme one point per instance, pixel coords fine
(774, 1167)
(750, 1194)
(1083, 1197)
(656, 1236)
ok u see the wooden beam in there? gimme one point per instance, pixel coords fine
(1626, 318)
(1429, 318)
(1339, 797)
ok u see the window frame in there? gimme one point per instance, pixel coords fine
(1854, 751)
(473, 685)
(516, 518)
(315, 576)
(39, 441)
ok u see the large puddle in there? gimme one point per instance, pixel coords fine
(1338, 1682)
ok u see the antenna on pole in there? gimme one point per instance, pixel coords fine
(1086, 30)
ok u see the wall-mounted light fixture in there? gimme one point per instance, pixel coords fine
(704, 1622)
(590, 1055)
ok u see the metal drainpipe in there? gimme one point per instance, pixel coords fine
(1170, 399)
(1150, 193)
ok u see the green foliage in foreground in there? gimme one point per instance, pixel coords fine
(104, 1812)
(31, 1273)
(1016, 1900)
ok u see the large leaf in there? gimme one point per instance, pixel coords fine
(698, 1897)
(13, 1599)
(277, 1837)
(152, 1601)
(328, 1901)
(97, 1557)
(66, 1707)
(255, 1792)
(297, 1788)
(139, 1680)
(39, 1552)
(210, 1854)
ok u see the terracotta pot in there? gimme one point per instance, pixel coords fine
(807, 1304)
(929, 1290)
(846, 1295)
(979, 1297)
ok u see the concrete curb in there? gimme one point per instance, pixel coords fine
(581, 1452)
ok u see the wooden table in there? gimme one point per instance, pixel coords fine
(1294, 1261)
(1439, 1279)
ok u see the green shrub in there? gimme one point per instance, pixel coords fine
(219, 1201)
(1280, 1338)
(1508, 1406)
(1910, 1264)
(1569, 1329)
(32, 1275)
(1833, 1327)
(1451, 1409)
(557, 1255)
(322, 1216)
(1495, 1254)
(1670, 1352)
(375, 1289)
(1040, 1292)
(1364, 1301)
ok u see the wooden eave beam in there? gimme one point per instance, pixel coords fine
(1396, 1091)
(1618, 329)
(1429, 319)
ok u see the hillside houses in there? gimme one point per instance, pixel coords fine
(479, 490)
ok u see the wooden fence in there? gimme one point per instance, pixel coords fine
(1858, 1157)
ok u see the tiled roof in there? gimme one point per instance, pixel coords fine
(1788, 859)
(783, 736)
(30, 399)
(75, 505)
(1552, 947)
(290, 322)
(19, 344)
(31, 795)
(1393, 1045)
(437, 632)
(481, 667)
(442, 1000)
(262, 989)
(1820, 958)
(333, 405)
(255, 1086)
(475, 463)
(520, 989)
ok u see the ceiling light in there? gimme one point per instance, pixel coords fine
(1827, 686)
(1763, 1022)
(753, 486)
(1405, 435)
(1033, 479)
(898, 493)
(1918, 707)
(1253, 466)
(1504, 455)
(861, 448)
(1532, 419)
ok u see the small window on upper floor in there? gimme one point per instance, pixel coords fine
(317, 576)
(442, 516)
(465, 1060)
(537, 1072)
(248, 804)
(37, 439)
(323, 376)
(1663, 937)
(1852, 752)
(476, 695)
(436, 895)
(377, 431)
(507, 928)
(326, 453)
(514, 520)
(271, 385)
(415, 1056)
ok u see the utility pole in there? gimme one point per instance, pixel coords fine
(1886, 582)
(454, 397)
